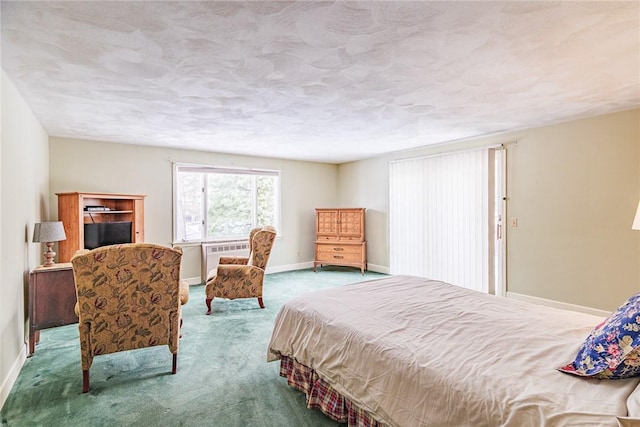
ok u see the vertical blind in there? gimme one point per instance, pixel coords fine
(441, 218)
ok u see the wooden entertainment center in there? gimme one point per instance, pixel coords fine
(77, 209)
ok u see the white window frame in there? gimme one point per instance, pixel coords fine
(189, 167)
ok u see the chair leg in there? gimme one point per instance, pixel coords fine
(175, 363)
(208, 301)
(85, 381)
(260, 302)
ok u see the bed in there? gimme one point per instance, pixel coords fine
(407, 351)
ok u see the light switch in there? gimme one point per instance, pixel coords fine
(514, 222)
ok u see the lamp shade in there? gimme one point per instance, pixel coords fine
(636, 220)
(45, 232)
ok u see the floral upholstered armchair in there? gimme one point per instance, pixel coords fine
(241, 277)
(129, 297)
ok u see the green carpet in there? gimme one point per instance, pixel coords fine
(223, 378)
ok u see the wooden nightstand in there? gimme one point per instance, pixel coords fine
(52, 297)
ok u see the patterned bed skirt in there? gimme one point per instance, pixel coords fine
(322, 396)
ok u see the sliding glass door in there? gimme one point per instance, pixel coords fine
(444, 218)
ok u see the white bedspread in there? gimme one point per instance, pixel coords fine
(416, 352)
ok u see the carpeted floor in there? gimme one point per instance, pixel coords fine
(223, 378)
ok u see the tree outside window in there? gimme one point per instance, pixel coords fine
(224, 204)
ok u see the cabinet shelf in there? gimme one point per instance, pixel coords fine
(72, 213)
(105, 212)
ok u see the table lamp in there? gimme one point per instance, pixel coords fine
(48, 233)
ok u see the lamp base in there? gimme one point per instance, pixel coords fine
(49, 255)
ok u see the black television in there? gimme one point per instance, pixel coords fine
(98, 234)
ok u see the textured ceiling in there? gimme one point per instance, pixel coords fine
(321, 81)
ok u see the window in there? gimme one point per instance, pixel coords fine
(215, 203)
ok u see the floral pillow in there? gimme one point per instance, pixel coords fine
(612, 349)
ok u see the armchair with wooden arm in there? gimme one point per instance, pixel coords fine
(241, 277)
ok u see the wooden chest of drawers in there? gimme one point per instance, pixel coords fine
(340, 238)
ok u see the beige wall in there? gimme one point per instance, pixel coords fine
(365, 184)
(24, 189)
(91, 166)
(573, 187)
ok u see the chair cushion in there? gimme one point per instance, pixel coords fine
(184, 292)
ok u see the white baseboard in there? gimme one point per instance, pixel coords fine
(196, 280)
(289, 267)
(269, 270)
(12, 376)
(379, 268)
(557, 304)
(309, 264)
(292, 267)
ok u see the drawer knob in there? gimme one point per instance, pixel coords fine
(338, 256)
(338, 249)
